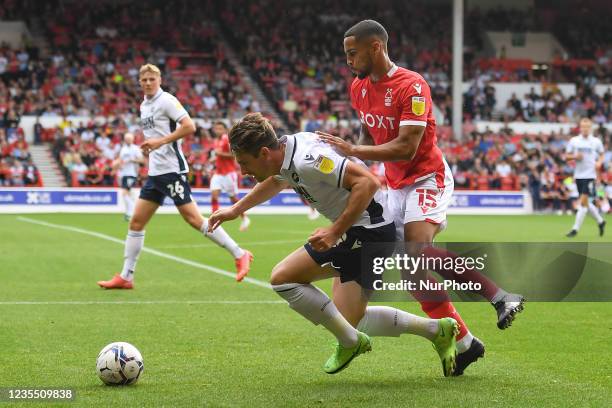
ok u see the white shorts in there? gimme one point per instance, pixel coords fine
(422, 201)
(227, 183)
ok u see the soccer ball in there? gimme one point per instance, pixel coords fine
(119, 364)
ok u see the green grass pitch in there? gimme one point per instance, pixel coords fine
(208, 341)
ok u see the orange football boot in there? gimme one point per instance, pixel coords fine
(118, 283)
(243, 264)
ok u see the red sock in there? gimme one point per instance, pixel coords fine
(437, 304)
(214, 202)
(488, 287)
(438, 310)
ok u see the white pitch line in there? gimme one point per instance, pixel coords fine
(145, 302)
(245, 244)
(148, 250)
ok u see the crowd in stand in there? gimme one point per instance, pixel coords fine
(552, 106)
(96, 49)
(483, 161)
(508, 161)
(299, 59)
(16, 167)
(87, 151)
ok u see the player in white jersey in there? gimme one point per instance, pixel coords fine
(128, 164)
(345, 192)
(588, 152)
(160, 113)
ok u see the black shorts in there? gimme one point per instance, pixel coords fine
(353, 258)
(173, 185)
(127, 182)
(586, 186)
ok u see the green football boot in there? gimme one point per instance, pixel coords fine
(344, 355)
(445, 344)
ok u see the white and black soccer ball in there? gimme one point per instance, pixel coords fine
(119, 363)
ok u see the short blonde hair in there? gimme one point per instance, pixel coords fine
(149, 68)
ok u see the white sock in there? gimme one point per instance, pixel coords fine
(129, 204)
(312, 303)
(221, 238)
(594, 211)
(133, 246)
(390, 322)
(464, 343)
(580, 214)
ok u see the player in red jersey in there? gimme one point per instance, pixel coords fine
(226, 175)
(398, 128)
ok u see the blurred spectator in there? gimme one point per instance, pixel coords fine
(16, 174)
(79, 169)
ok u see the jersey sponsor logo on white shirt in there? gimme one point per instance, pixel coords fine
(305, 194)
(147, 123)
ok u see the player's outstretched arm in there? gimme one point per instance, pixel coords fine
(261, 192)
(403, 147)
(362, 185)
(219, 217)
(341, 145)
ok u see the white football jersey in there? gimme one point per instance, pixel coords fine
(128, 154)
(315, 171)
(159, 117)
(591, 148)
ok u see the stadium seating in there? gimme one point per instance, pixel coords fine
(303, 68)
(16, 167)
(94, 51)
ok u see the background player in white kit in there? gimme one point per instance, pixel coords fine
(160, 113)
(588, 152)
(349, 196)
(128, 164)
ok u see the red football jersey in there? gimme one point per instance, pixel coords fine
(400, 98)
(224, 165)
